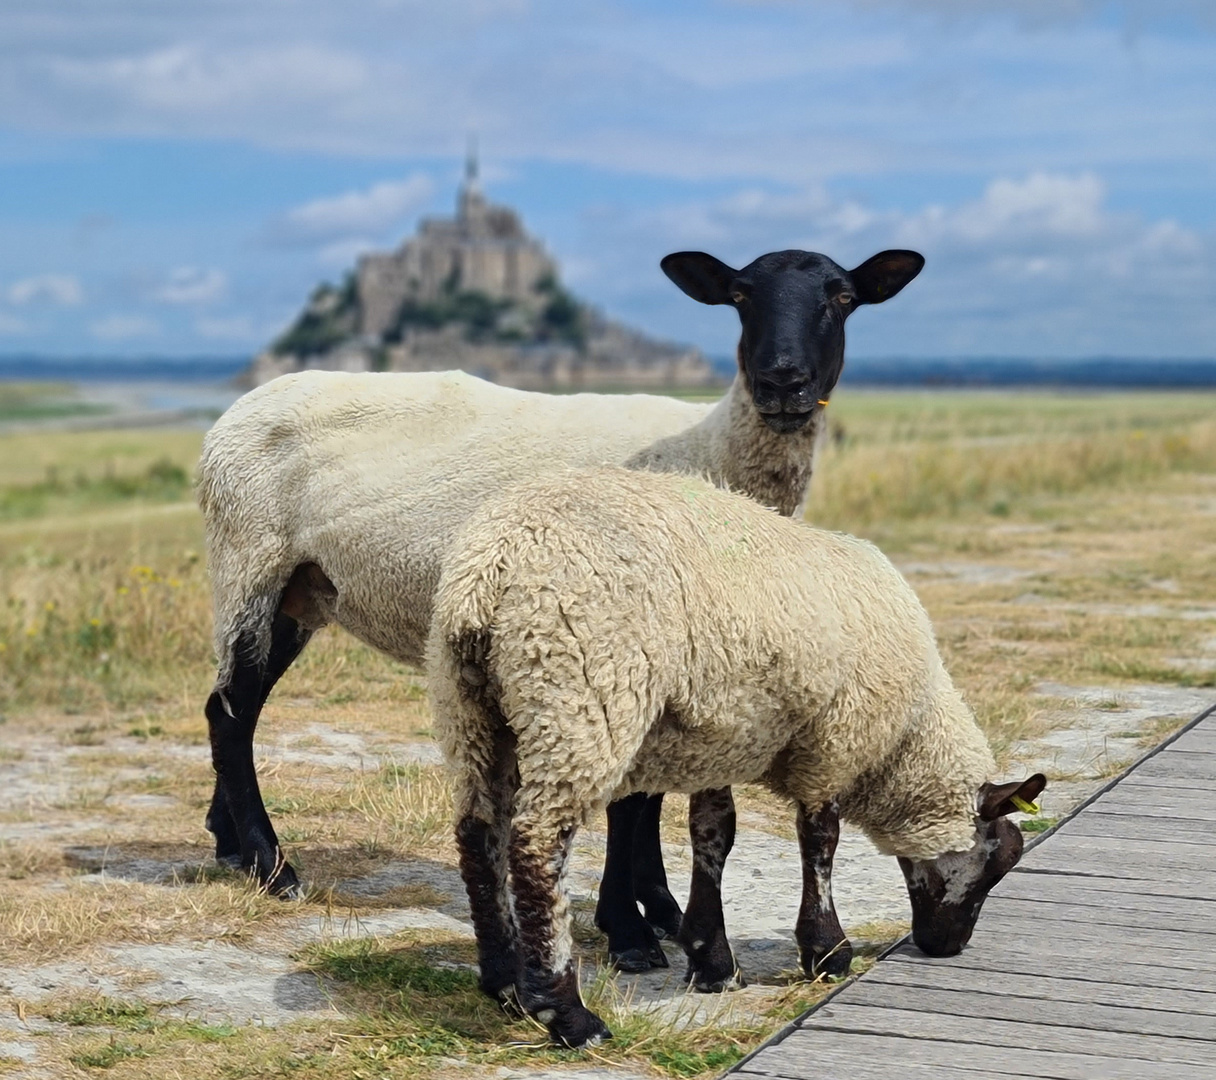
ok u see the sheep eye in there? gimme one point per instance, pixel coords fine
(737, 297)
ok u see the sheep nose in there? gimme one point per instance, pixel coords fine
(783, 376)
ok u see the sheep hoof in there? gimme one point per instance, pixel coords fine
(285, 885)
(712, 983)
(579, 1030)
(668, 928)
(833, 965)
(633, 961)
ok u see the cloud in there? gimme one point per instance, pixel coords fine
(190, 285)
(370, 210)
(1035, 265)
(61, 289)
(123, 327)
(1039, 205)
(10, 325)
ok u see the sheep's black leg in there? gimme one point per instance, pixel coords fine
(632, 944)
(649, 877)
(287, 641)
(484, 867)
(822, 946)
(548, 979)
(711, 823)
(232, 712)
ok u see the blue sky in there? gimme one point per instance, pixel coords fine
(176, 177)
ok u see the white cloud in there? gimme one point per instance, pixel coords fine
(1036, 265)
(371, 210)
(234, 328)
(123, 327)
(1038, 205)
(191, 285)
(61, 289)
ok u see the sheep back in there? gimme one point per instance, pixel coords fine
(645, 632)
(372, 475)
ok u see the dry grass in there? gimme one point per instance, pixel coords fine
(1050, 538)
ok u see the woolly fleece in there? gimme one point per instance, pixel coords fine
(652, 633)
(372, 476)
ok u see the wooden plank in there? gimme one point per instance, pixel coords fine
(1107, 893)
(1031, 924)
(1126, 799)
(1058, 943)
(1142, 827)
(1076, 857)
(1044, 988)
(1097, 916)
(871, 1019)
(809, 1054)
(1162, 849)
(1124, 886)
(840, 1065)
(1173, 764)
(997, 1005)
(1202, 737)
(1099, 964)
(1139, 778)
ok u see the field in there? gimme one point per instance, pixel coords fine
(1064, 545)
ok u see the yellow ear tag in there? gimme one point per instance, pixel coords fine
(822, 402)
(1024, 806)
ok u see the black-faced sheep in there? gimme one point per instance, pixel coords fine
(603, 633)
(332, 497)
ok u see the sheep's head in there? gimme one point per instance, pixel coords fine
(948, 892)
(793, 305)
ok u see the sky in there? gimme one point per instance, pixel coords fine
(176, 177)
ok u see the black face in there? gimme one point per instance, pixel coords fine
(948, 892)
(793, 305)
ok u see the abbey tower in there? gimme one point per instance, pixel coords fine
(484, 249)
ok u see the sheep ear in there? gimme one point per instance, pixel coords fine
(701, 276)
(881, 276)
(997, 800)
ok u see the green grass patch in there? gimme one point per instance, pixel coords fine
(1037, 825)
(421, 1005)
(161, 481)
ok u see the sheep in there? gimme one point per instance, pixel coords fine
(332, 497)
(607, 632)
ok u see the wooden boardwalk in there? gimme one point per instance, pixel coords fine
(1094, 959)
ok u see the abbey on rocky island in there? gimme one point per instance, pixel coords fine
(474, 292)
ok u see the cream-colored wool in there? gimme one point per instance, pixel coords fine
(371, 476)
(652, 633)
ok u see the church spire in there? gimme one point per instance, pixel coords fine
(470, 164)
(470, 204)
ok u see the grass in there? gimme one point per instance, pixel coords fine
(1084, 530)
(25, 402)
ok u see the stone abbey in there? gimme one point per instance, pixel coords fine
(478, 293)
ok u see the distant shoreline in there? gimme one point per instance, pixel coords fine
(1094, 373)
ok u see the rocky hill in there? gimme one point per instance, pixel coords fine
(474, 292)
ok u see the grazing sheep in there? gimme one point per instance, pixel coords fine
(607, 632)
(332, 497)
